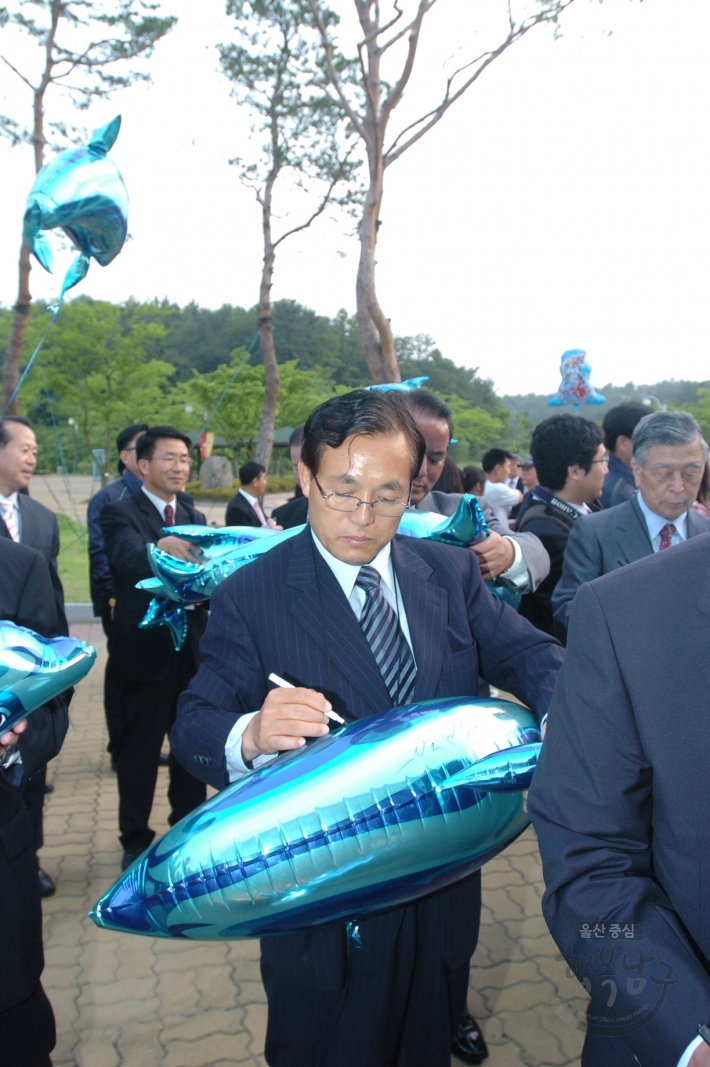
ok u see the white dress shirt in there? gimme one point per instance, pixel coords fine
(12, 499)
(254, 501)
(655, 523)
(161, 504)
(346, 575)
(500, 497)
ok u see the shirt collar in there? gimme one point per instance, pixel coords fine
(346, 573)
(655, 522)
(252, 499)
(160, 503)
(12, 498)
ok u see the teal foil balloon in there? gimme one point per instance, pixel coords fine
(35, 669)
(378, 813)
(400, 387)
(226, 550)
(81, 192)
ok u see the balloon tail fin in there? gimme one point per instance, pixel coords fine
(103, 139)
(508, 771)
(77, 270)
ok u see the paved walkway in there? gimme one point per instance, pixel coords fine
(123, 1001)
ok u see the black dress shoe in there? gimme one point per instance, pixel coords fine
(48, 787)
(130, 856)
(47, 888)
(163, 759)
(468, 1044)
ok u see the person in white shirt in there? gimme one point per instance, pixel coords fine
(500, 496)
(669, 455)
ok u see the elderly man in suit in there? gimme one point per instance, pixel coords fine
(29, 523)
(27, 1032)
(151, 672)
(314, 610)
(669, 456)
(619, 805)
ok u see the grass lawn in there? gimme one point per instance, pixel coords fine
(73, 560)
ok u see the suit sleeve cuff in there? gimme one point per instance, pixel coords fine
(236, 767)
(685, 1058)
(517, 575)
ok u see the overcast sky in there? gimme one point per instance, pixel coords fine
(563, 203)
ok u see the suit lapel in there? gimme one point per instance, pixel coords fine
(346, 643)
(634, 542)
(696, 525)
(426, 607)
(151, 515)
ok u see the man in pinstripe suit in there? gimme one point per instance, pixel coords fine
(303, 611)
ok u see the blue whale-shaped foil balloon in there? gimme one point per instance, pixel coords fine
(375, 814)
(80, 191)
(34, 669)
(229, 548)
(400, 387)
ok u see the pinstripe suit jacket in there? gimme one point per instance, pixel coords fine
(267, 617)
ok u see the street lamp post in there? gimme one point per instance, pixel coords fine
(75, 428)
(649, 401)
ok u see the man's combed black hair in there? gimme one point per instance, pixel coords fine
(364, 412)
(5, 432)
(127, 434)
(621, 421)
(145, 445)
(430, 404)
(561, 442)
(493, 458)
(250, 470)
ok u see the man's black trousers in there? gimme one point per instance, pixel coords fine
(147, 714)
(397, 1001)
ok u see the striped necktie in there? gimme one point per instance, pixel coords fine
(666, 535)
(10, 519)
(384, 636)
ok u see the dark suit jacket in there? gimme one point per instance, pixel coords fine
(26, 598)
(619, 798)
(99, 571)
(128, 525)
(292, 513)
(241, 513)
(603, 542)
(266, 617)
(40, 530)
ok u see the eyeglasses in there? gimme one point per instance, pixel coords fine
(386, 509)
(605, 460)
(170, 461)
(663, 474)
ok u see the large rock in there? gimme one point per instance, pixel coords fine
(216, 473)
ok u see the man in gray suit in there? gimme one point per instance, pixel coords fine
(669, 456)
(519, 558)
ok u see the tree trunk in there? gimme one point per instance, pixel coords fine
(11, 363)
(375, 328)
(265, 442)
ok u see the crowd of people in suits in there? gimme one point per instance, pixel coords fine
(587, 501)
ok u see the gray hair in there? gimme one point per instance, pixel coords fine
(666, 428)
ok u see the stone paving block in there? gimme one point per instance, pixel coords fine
(140, 1045)
(115, 992)
(203, 1024)
(178, 993)
(216, 988)
(98, 1049)
(519, 997)
(527, 1032)
(206, 1050)
(255, 1025)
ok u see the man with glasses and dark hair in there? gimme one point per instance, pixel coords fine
(570, 459)
(669, 456)
(151, 673)
(314, 610)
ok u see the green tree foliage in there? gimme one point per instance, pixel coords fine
(93, 368)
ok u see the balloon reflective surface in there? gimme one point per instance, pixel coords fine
(80, 191)
(400, 387)
(376, 814)
(34, 669)
(226, 550)
(575, 387)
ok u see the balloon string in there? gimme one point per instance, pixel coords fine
(25, 372)
(227, 387)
